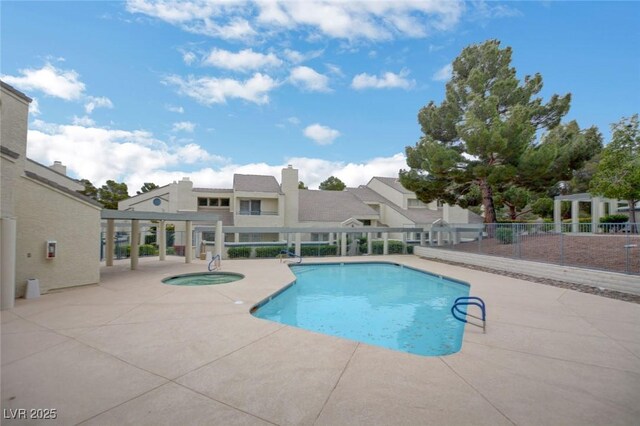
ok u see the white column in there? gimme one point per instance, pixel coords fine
(7, 262)
(439, 237)
(343, 244)
(369, 243)
(385, 243)
(161, 237)
(557, 215)
(422, 239)
(613, 206)
(332, 238)
(595, 213)
(236, 237)
(135, 242)
(111, 226)
(219, 239)
(575, 216)
(298, 244)
(188, 249)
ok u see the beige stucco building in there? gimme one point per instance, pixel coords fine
(48, 231)
(259, 201)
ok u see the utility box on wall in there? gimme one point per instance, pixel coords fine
(52, 248)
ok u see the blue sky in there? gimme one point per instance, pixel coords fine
(145, 91)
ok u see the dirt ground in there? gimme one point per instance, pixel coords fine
(605, 252)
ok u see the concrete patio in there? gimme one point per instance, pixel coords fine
(135, 351)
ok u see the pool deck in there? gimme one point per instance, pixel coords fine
(132, 350)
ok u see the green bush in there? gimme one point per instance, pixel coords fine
(236, 252)
(395, 247)
(613, 222)
(316, 251)
(505, 235)
(147, 250)
(270, 251)
(143, 250)
(171, 251)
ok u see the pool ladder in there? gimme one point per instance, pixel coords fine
(216, 265)
(467, 301)
(290, 254)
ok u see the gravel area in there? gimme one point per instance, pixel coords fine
(605, 252)
(612, 294)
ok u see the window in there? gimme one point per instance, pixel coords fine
(366, 222)
(258, 237)
(250, 207)
(319, 237)
(213, 202)
(208, 236)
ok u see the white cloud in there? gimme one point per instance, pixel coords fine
(309, 79)
(322, 135)
(83, 121)
(334, 69)
(293, 120)
(443, 74)
(211, 90)
(133, 156)
(93, 102)
(174, 108)
(313, 170)
(388, 80)
(296, 57)
(64, 84)
(137, 156)
(184, 126)
(189, 57)
(244, 60)
(34, 107)
(351, 20)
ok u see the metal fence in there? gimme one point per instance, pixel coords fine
(612, 247)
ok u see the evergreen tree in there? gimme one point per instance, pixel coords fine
(112, 192)
(148, 186)
(332, 184)
(618, 174)
(481, 137)
(89, 190)
(301, 185)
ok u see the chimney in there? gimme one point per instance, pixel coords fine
(58, 167)
(291, 192)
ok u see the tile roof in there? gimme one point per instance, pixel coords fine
(255, 183)
(331, 206)
(394, 183)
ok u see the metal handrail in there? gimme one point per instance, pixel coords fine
(290, 254)
(215, 266)
(470, 301)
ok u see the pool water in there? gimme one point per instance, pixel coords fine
(380, 304)
(203, 278)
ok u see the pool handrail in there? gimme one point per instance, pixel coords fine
(290, 254)
(217, 265)
(470, 301)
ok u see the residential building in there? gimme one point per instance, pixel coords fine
(48, 230)
(259, 201)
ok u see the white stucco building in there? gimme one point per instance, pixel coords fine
(48, 230)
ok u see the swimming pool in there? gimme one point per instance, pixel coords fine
(203, 278)
(381, 304)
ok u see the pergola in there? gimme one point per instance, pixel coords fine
(136, 216)
(598, 209)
